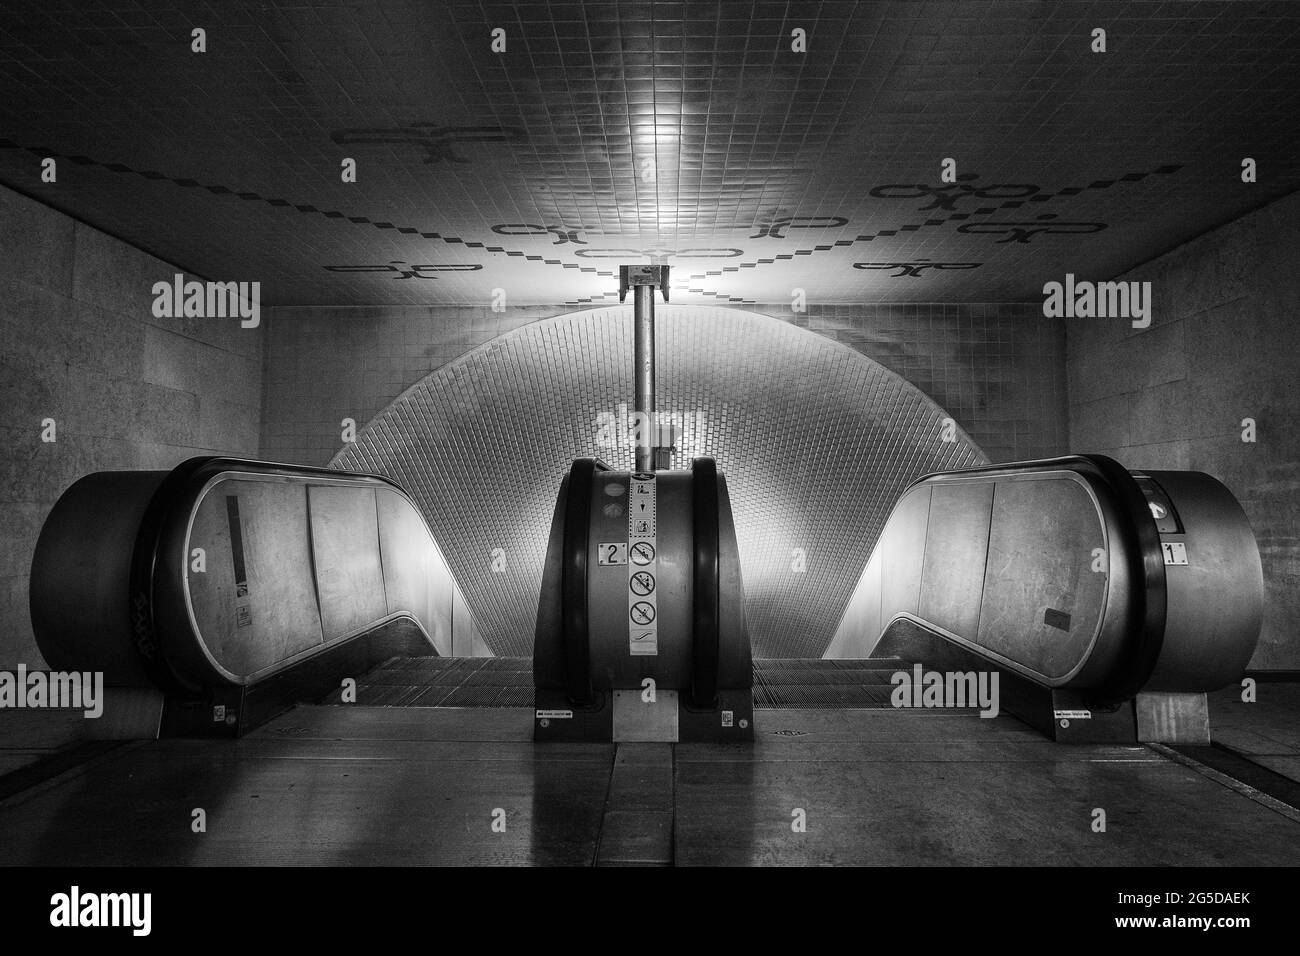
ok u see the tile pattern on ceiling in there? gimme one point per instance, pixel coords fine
(524, 170)
(816, 441)
(997, 368)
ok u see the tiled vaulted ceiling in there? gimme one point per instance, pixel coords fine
(816, 441)
(529, 170)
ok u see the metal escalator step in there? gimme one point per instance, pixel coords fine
(387, 678)
(788, 677)
(872, 678)
(388, 695)
(788, 663)
(468, 696)
(851, 696)
(805, 695)
(517, 696)
(431, 697)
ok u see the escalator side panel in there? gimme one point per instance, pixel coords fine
(416, 575)
(548, 637)
(213, 575)
(735, 657)
(902, 553)
(1074, 592)
(956, 544)
(345, 552)
(254, 600)
(1042, 601)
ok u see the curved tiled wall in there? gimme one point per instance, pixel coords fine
(816, 440)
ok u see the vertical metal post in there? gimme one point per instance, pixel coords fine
(643, 280)
(644, 349)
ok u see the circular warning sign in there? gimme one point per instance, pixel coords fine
(643, 552)
(642, 583)
(642, 612)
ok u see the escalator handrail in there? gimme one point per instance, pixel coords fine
(574, 612)
(706, 570)
(148, 577)
(1141, 541)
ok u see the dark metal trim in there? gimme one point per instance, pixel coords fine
(574, 615)
(705, 643)
(1141, 543)
(148, 582)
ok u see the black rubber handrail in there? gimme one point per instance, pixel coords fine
(1147, 566)
(705, 643)
(574, 614)
(145, 571)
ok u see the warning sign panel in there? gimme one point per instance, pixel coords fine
(643, 567)
(642, 613)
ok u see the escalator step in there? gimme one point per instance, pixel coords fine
(388, 695)
(517, 696)
(432, 697)
(466, 696)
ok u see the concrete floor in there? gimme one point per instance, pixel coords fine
(1266, 730)
(381, 785)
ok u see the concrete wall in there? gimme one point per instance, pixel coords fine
(1222, 347)
(79, 344)
(999, 370)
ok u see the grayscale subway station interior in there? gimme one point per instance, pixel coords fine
(650, 433)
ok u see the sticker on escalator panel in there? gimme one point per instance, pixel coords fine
(642, 614)
(643, 642)
(643, 569)
(1175, 553)
(1057, 619)
(1072, 714)
(243, 615)
(641, 509)
(554, 715)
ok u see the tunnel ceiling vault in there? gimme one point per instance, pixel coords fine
(816, 441)
(686, 132)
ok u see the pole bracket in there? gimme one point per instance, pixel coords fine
(632, 276)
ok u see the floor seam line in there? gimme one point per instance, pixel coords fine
(604, 808)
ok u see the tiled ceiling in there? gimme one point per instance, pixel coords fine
(816, 441)
(528, 170)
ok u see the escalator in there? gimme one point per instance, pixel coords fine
(238, 588)
(1108, 601)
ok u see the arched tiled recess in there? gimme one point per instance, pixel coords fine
(816, 440)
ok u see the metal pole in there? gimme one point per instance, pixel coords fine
(644, 348)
